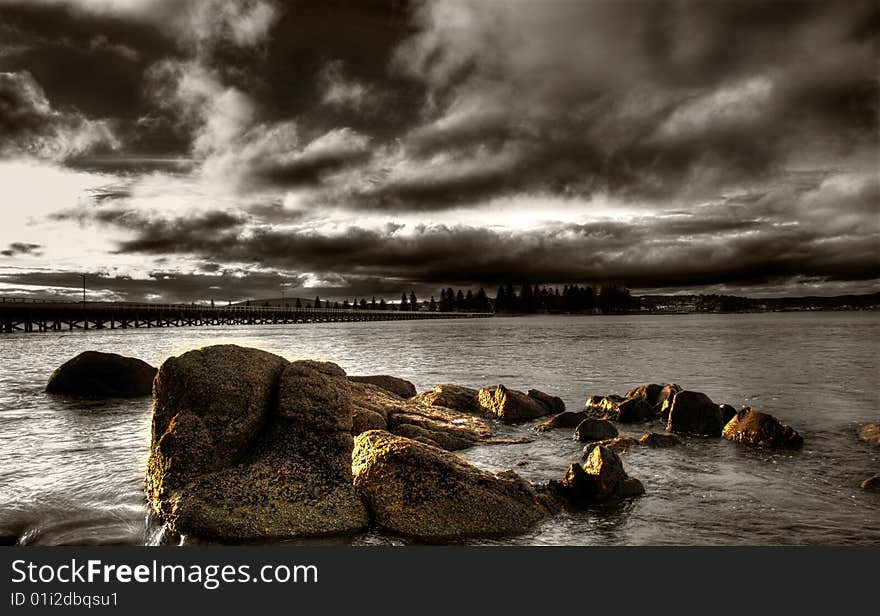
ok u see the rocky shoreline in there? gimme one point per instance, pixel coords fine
(248, 446)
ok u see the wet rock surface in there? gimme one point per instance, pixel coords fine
(618, 444)
(95, 375)
(395, 385)
(693, 413)
(418, 490)
(656, 440)
(554, 404)
(871, 484)
(455, 397)
(568, 419)
(870, 433)
(246, 445)
(377, 408)
(511, 405)
(757, 429)
(590, 430)
(601, 478)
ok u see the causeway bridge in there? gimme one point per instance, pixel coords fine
(35, 315)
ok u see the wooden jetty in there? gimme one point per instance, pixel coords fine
(34, 315)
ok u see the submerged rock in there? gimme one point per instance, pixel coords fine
(870, 433)
(693, 413)
(568, 419)
(871, 484)
(400, 387)
(421, 491)
(756, 429)
(659, 441)
(455, 397)
(594, 430)
(510, 405)
(246, 445)
(601, 478)
(93, 374)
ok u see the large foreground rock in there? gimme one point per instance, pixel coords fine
(870, 433)
(602, 477)
(693, 413)
(395, 385)
(102, 375)
(375, 408)
(511, 405)
(756, 429)
(246, 445)
(421, 491)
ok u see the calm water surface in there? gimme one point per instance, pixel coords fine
(70, 471)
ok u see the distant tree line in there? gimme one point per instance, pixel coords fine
(571, 299)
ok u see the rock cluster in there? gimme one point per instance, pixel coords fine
(247, 445)
(375, 408)
(687, 413)
(102, 375)
(508, 405)
(642, 403)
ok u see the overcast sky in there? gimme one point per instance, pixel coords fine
(192, 149)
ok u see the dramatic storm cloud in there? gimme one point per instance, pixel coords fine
(367, 148)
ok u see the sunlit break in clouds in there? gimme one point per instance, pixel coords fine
(187, 150)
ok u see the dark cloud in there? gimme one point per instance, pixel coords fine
(166, 286)
(192, 233)
(21, 248)
(87, 60)
(640, 98)
(30, 126)
(744, 240)
(690, 114)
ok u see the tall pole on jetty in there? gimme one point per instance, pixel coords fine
(83, 276)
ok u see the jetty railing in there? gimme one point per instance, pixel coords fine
(46, 315)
